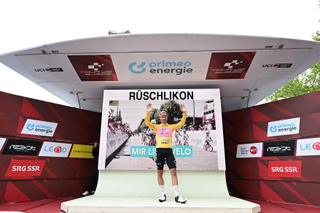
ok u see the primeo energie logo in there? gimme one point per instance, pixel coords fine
(161, 67)
(284, 127)
(35, 127)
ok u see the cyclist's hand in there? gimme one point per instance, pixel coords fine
(149, 107)
(183, 108)
(95, 144)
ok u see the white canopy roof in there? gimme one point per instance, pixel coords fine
(245, 68)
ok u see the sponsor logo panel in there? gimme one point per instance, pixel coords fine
(2, 141)
(162, 67)
(22, 147)
(49, 69)
(284, 127)
(230, 65)
(81, 151)
(277, 65)
(94, 67)
(25, 168)
(284, 169)
(36, 127)
(150, 151)
(309, 146)
(52, 149)
(252, 150)
(279, 148)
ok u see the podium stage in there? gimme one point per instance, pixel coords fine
(151, 205)
(138, 191)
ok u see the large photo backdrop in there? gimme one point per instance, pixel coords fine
(128, 144)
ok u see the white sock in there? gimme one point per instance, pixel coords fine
(162, 190)
(176, 190)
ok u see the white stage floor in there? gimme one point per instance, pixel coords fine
(94, 204)
(138, 191)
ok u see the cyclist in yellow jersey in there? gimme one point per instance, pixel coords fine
(164, 149)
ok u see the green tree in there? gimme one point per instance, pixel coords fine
(306, 82)
(154, 115)
(173, 110)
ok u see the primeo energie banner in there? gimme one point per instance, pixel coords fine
(128, 144)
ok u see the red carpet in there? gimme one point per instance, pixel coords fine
(53, 206)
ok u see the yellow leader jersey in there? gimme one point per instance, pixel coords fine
(164, 131)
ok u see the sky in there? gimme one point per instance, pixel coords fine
(30, 23)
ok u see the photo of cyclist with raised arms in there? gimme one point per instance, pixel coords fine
(164, 151)
(137, 150)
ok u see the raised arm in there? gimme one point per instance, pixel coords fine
(149, 107)
(183, 108)
(147, 121)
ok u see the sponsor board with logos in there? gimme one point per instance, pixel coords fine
(284, 169)
(231, 65)
(279, 148)
(25, 168)
(53, 149)
(307, 147)
(81, 151)
(303, 147)
(251, 150)
(94, 67)
(284, 127)
(22, 147)
(162, 66)
(36, 127)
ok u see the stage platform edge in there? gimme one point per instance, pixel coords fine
(138, 191)
(95, 204)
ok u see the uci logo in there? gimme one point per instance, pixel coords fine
(273, 129)
(133, 66)
(30, 127)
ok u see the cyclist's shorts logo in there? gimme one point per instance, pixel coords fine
(137, 69)
(30, 127)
